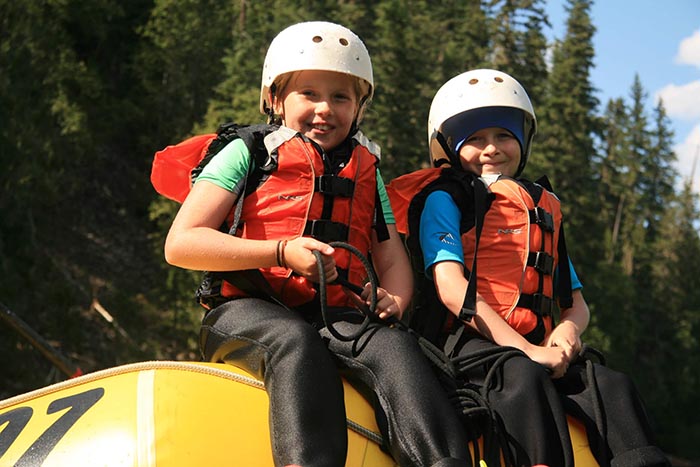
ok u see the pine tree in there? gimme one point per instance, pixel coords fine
(519, 45)
(564, 148)
(183, 60)
(457, 39)
(669, 347)
(397, 118)
(418, 46)
(659, 175)
(632, 228)
(612, 306)
(615, 174)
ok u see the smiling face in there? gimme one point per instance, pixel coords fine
(491, 151)
(321, 105)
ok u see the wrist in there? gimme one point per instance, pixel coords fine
(279, 253)
(527, 348)
(574, 326)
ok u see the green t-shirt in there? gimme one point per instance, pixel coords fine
(230, 165)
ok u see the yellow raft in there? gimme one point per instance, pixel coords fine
(174, 414)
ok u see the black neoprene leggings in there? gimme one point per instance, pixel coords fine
(533, 408)
(307, 416)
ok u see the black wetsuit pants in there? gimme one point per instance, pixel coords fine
(307, 412)
(533, 408)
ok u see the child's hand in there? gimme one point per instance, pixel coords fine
(386, 303)
(298, 256)
(566, 337)
(552, 358)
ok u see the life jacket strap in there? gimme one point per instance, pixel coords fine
(326, 230)
(542, 261)
(540, 304)
(542, 218)
(333, 185)
(379, 220)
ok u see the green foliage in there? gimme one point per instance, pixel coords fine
(180, 62)
(90, 90)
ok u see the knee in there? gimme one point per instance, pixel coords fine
(610, 381)
(400, 342)
(296, 337)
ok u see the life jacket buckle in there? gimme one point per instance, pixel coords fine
(326, 230)
(333, 185)
(208, 293)
(542, 218)
(540, 304)
(542, 261)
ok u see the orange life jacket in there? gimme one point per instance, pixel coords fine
(518, 255)
(403, 189)
(518, 247)
(299, 198)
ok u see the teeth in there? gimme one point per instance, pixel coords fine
(322, 127)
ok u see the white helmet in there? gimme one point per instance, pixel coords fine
(316, 45)
(478, 99)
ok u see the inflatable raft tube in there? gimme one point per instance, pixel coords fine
(172, 414)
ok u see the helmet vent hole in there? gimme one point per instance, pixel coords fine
(498, 79)
(317, 39)
(473, 81)
(343, 41)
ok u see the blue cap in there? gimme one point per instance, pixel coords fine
(460, 127)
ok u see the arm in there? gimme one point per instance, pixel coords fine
(451, 285)
(394, 271)
(195, 241)
(573, 321)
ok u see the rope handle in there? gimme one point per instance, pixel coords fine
(368, 311)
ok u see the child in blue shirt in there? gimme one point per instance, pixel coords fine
(480, 131)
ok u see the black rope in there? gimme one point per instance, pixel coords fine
(435, 355)
(475, 400)
(470, 400)
(369, 311)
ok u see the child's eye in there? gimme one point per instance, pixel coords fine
(473, 139)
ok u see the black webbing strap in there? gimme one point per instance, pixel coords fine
(540, 304)
(564, 279)
(333, 185)
(541, 261)
(250, 281)
(480, 207)
(379, 220)
(326, 230)
(539, 216)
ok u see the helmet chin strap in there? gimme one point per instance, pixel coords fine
(453, 158)
(270, 111)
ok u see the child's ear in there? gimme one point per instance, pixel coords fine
(277, 106)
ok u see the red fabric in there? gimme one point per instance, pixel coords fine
(281, 206)
(172, 166)
(401, 191)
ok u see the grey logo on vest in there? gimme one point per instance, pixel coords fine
(510, 231)
(289, 197)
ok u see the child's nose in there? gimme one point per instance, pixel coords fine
(323, 107)
(489, 148)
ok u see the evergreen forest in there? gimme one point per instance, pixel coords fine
(90, 90)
